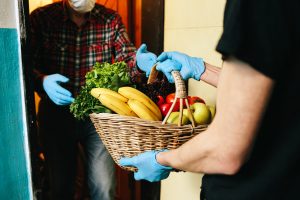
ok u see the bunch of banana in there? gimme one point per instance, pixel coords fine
(96, 92)
(128, 101)
(113, 101)
(142, 110)
(141, 104)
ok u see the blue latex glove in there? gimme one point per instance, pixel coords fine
(192, 67)
(148, 168)
(59, 95)
(145, 59)
(167, 66)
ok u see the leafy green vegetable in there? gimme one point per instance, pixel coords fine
(107, 75)
(102, 75)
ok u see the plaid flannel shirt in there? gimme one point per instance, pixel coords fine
(59, 46)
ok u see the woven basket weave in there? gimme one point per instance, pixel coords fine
(126, 136)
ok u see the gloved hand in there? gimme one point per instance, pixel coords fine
(192, 67)
(148, 168)
(167, 66)
(59, 95)
(145, 59)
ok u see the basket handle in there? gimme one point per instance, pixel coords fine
(180, 94)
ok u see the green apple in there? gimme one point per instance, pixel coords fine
(186, 113)
(174, 117)
(201, 113)
(212, 110)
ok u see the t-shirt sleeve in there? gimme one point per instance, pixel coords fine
(256, 32)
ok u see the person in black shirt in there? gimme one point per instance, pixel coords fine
(251, 150)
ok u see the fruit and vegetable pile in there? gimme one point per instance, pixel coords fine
(108, 90)
(129, 101)
(202, 113)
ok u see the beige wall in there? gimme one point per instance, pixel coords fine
(193, 27)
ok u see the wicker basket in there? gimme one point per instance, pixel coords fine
(126, 136)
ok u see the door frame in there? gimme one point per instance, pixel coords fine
(30, 100)
(152, 25)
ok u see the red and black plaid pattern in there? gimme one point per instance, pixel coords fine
(60, 46)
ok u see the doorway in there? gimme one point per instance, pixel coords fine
(144, 20)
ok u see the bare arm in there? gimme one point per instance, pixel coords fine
(242, 96)
(211, 74)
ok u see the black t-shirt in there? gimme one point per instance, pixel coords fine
(266, 35)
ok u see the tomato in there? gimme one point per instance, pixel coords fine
(164, 108)
(176, 107)
(191, 99)
(170, 98)
(194, 99)
(160, 100)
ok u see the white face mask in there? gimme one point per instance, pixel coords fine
(82, 6)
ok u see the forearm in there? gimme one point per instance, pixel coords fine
(225, 145)
(211, 74)
(197, 155)
(205, 153)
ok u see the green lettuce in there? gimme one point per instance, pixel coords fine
(103, 75)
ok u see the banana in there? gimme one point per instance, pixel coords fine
(132, 93)
(141, 110)
(116, 105)
(96, 92)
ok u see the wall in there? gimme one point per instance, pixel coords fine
(192, 27)
(15, 182)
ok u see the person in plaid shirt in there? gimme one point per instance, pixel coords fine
(67, 38)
